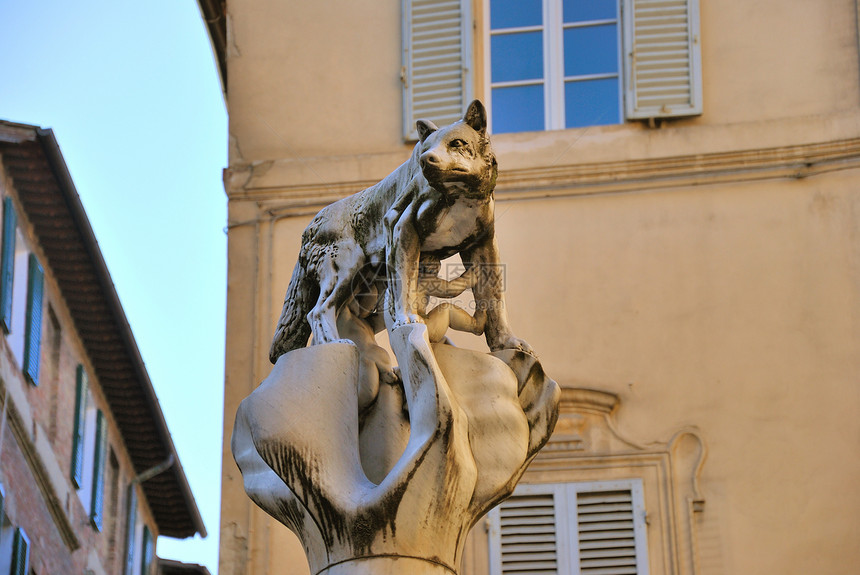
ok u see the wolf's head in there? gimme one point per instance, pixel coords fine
(457, 160)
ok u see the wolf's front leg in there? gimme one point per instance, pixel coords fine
(403, 248)
(489, 292)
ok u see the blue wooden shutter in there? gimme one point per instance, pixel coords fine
(7, 263)
(20, 553)
(130, 524)
(79, 428)
(436, 56)
(148, 552)
(97, 500)
(663, 58)
(33, 333)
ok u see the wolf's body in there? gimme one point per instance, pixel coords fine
(436, 204)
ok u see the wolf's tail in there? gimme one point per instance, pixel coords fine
(293, 328)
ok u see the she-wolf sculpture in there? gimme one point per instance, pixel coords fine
(436, 204)
(388, 480)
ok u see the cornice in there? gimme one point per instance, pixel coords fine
(551, 181)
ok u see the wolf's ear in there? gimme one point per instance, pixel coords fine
(476, 116)
(425, 128)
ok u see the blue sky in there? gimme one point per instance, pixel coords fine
(131, 91)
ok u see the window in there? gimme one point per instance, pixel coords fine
(571, 528)
(21, 295)
(18, 313)
(140, 541)
(148, 553)
(78, 431)
(130, 531)
(90, 464)
(555, 64)
(89, 450)
(98, 486)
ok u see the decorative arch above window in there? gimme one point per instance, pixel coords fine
(595, 501)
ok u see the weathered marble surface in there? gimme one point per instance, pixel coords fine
(398, 491)
(383, 469)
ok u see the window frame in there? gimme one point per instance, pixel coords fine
(567, 521)
(554, 79)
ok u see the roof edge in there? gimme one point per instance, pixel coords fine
(51, 148)
(214, 14)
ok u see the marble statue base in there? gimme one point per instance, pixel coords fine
(393, 490)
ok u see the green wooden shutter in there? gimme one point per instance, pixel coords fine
(79, 428)
(663, 58)
(148, 552)
(97, 500)
(20, 553)
(436, 52)
(33, 333)
(7, 263)
(129, 533)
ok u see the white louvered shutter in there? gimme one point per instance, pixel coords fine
(663, 58)
(570, 528)
(607, 542)
(527, 528)
(436, 50)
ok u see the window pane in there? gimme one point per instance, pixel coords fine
(515, 13)
(517, 57)
(591, 50)
(590, 103)
(518, 109)
(585, 10)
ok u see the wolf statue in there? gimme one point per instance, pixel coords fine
(436, 204)
(389, 479)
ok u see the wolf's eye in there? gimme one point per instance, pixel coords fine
(458, 143)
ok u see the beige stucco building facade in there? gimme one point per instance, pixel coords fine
(692, 282)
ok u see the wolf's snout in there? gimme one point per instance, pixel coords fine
(430, 160)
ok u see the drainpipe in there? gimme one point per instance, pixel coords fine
(155, 470)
